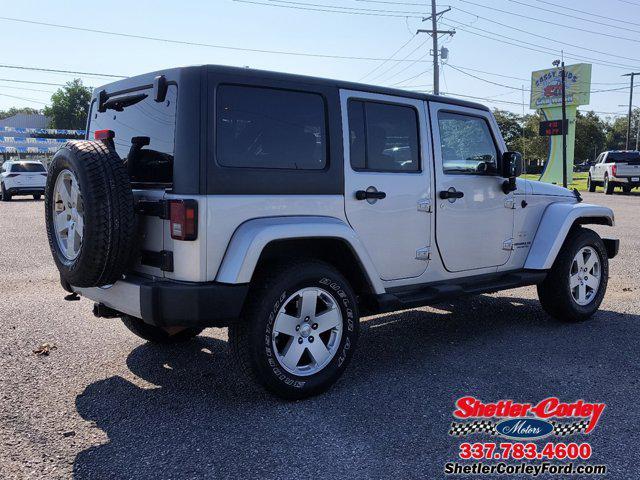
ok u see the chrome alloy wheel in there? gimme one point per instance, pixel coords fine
(307, 331)
(68, 214)
(585, 276)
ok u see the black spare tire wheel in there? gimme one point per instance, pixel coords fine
(91, 224)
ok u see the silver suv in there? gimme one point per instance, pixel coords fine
(288, 207)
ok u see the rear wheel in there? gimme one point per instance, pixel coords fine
(298, 331)
(154, 334)
(5, 196)
(577, 282)
(591, 186)
(627, 189)
(36, 196)
(608, 186)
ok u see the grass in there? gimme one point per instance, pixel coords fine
(579, 180)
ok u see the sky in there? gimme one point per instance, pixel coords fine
(494, 69)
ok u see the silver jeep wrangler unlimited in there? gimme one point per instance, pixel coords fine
(287, 207)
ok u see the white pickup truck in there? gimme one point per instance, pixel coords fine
(616, 168)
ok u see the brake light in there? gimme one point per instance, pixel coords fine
(183, 219)
(104, 134)
(614, 169)
(12, 175)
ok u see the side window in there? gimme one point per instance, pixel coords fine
(269, 128)
(383, 137)
(467, 145)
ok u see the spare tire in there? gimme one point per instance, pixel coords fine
(90, 218)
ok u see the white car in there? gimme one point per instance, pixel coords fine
(616, 168)
(23, 177)
(287, 207)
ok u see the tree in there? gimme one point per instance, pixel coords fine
(69, 106)
(591, 136)
(510, 126)
(15, 111)
(617, 132)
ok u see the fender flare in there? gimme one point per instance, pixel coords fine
(557, 220)
(250, 239)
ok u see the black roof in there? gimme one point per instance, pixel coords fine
(265, 74)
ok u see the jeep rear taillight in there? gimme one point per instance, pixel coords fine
(183, 219)
(614, 169)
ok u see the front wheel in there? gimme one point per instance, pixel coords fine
(37, 196)
(298, 331)
(627, 189)
(577, 282)
(591, 186)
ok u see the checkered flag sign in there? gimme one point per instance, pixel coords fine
(478, 426)
(565, 429)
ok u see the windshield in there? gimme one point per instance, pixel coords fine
(27, 167)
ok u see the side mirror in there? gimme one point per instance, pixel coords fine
(511, 168)
(511, 164)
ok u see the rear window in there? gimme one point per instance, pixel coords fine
(622, 157)
(145, 122)
(27, 168)
(269, 128)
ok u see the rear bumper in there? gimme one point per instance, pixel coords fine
(627, 181)
(166, 303)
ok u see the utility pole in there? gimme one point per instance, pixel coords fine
(632, 74)
(565, 124)
(434, 32)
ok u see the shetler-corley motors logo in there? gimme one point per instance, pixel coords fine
(514, 420)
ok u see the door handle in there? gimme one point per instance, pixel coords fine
(452, 193)
(370, 195)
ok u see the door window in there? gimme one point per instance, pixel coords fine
(269, 128)
(383, 137)
(467, 145)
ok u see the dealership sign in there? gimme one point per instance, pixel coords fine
(546, 86)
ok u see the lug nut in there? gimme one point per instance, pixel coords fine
(300, 340)
(297, 328)
(311, 339)
(306, 319)
(314, 326)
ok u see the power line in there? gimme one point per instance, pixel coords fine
(21, 67)
(406, 67)
(181, 42)
(548, 22)
(491, 20)
(410, 78)
(349, 9)
(34, 83)
(586, 13)
(27, 89)
(394, 3)
(22, 98)
(384, 62)
(325, 8)
(574, 16)
(545, 50)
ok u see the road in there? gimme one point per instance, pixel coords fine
(104, 404)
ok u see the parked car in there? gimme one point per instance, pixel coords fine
(616, 168)
(287, 207)
(23, 177)
(582, 167)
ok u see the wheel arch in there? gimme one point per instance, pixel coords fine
(557, 221)
(258, 242)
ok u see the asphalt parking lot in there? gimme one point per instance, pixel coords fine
(104, 404)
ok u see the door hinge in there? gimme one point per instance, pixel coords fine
(507, 244)
(424, 206)
(423, 254)
(510, 203)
